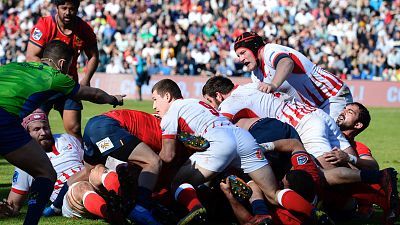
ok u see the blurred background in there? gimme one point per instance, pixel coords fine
(357, 39)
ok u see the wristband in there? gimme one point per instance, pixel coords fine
(352, 159)
(268, 146)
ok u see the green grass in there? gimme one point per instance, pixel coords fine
(382, 137)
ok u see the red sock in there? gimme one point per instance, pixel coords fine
(186, 195)
(290, 200)
(95, 204)
(110, 181)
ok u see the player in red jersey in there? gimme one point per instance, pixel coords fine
(76, 33)
(353, 120)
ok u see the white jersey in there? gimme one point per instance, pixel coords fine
(312, 84)
(318, 132)
(192, 116)
(246, 101)
(228, 144)
(66, 158)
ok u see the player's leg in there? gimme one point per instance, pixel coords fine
(257, 167)
(81, 199)
(201, 167)
(40, 168)
(137, 152)
(72, 114)
(314, 133)
(189, 176)
(100, 177)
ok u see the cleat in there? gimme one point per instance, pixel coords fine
(141, 216)
(321, 218)
(195, 143)
(260, 220)
(389, 186)
(240, 190)
(196, 216)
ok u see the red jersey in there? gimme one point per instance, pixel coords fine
(81, 38)
(144, 126)
(361, 149)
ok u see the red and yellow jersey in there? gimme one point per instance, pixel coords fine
(142, 125)
(81, 38)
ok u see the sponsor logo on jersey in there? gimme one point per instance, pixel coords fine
(301, 160)
(259, 154)
(104, 144)
(37, 34)
(15, 177)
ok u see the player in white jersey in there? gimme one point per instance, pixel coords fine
(276, 67)
(228, 145)
(64, 151)
(318, 132)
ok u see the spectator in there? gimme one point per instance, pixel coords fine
(320, 29)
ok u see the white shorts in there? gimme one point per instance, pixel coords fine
(67, 211)
(319, 134)
(227, 144)
(335, 104)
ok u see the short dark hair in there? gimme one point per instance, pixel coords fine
(167, 86)
(302, 183)
(57, 50)
(217, 84)
(76, 3)
(363, 116)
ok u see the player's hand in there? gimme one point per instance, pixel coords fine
(6, 210)
(267, 88)
(118, 100)
(226, 188)
(336, 157)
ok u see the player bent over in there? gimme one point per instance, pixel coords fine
(227, 143)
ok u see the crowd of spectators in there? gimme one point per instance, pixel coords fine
(354, 39)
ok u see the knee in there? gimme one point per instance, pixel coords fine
(79, 189)
(155, 162)
(96, 174)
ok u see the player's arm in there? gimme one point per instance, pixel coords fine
(15, 201)
(98, 96)
(33, 52)
(92, 54)
(168, 150)
(339, 157)
(283, 68)
(283, 145)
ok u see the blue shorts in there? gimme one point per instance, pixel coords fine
(269, 130)
(103, 137)
(12, 134)
(60, 102)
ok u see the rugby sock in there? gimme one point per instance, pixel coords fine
(110, 182)
(39, 195)
(58, 202)
(95, 204)
(186, 195)
(290, 200)
(143, 197)
(259, 207)
(370, 176)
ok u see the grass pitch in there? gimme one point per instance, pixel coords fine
(382, 137)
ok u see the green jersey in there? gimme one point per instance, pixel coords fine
(25, 86)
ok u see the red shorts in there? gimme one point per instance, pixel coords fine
(303, 161)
